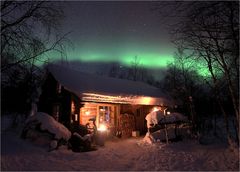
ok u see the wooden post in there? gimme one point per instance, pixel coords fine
(165, 126)
(176, 128)
(166, 133)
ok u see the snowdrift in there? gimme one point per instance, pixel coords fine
(48, 123)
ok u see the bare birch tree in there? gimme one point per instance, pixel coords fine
(211, 31)
(28, 30)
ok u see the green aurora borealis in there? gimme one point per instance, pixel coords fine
(145, 59)
(117, 32)
(149, 57)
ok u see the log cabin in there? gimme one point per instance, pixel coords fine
(73, 97)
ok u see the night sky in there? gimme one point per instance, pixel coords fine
(117, 32)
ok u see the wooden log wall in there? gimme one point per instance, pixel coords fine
(88, 111)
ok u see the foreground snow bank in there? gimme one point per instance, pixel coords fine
(118, 155)
(48, 123)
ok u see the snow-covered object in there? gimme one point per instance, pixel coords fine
(153, 118)
(50, 124)
(149, 138)
(85, 137)
(158, 116)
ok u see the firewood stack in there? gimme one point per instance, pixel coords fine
(125, 125)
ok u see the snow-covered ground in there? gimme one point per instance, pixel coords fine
(118, 154)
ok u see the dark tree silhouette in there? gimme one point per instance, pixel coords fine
(211, 31)
(28, 30)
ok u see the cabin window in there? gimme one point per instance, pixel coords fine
(89, 111)
(106, 114)
(59, 88)
(103, 114)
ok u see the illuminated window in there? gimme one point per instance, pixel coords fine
(105, 114)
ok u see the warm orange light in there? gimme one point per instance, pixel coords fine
(102, 110)
(145, 100)
(102, 127)
(87, 113)
(141, 100)
(72, 107)
(155, 109)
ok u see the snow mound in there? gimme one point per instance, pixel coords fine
(50, 124)
(148, 139)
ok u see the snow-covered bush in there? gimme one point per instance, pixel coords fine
(48, 123)
(43, 130)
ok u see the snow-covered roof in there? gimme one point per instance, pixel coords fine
(90, 87)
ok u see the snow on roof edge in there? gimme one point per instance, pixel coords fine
(80, 82)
